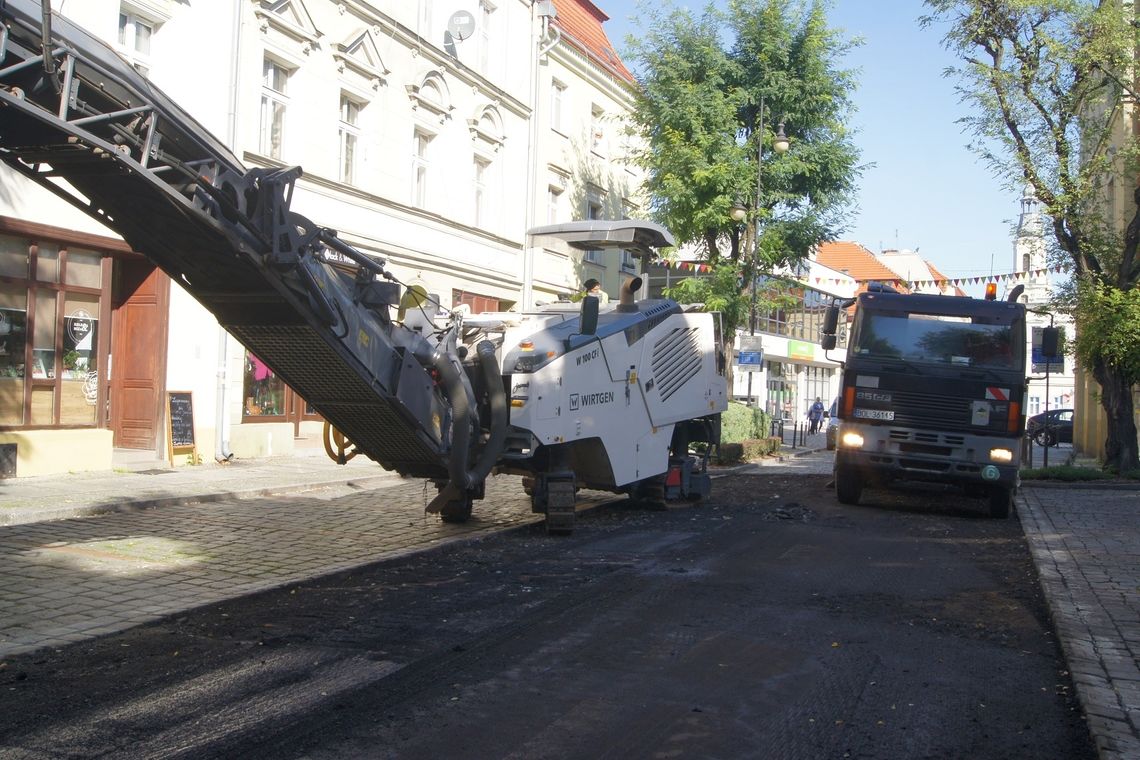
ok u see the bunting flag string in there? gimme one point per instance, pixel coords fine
(701, 268)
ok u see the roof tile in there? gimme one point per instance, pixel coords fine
(581, 25)
(858, 263)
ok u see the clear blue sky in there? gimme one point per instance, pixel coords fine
(927, 191)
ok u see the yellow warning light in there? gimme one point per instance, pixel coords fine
(526, 345)
(991, 291)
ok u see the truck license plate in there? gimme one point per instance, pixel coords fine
(875, 414)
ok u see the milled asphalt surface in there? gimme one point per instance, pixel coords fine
(84, 555)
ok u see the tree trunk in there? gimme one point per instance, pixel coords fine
(1120, 448)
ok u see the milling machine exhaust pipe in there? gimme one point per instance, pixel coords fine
(628, 288)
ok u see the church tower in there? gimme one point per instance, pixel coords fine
(1029, 252)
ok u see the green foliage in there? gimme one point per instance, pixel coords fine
(1048, 80)
(717, 291)
(730, 453)
(703, 79)
(1110, 328)
(741, 422)
(1071, 474)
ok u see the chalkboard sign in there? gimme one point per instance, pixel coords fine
(180, 423)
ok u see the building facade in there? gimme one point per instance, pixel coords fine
(430, 137)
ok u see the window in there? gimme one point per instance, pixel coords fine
(486, 36)
(553, 204)
(482, 172)
(628, 261)
(420, 167)
(134, 40)
(274, 99)
(597, 130)
(594, 211)
(49, 333)
(349, 138)
(264, 392)
(557, 103)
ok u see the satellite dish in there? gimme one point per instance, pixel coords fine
(461, 25)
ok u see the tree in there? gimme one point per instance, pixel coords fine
(1053, 89)
(711, 86)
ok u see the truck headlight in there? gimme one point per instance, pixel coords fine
(1001, 455)
(851, 440)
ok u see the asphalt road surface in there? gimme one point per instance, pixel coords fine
(768, 622)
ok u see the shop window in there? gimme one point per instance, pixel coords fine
(49, 333)
(13, 342)
(79, 363)
(84, 268)
(14, 257)
(43, 348)
(263, 391)
(47, 263)
(268, 399)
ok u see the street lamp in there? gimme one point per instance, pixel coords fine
(739, 213)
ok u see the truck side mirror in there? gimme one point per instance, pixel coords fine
(1050, 342)
(588, 317)
(831, 320)
(830, 325)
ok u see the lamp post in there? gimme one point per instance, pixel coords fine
(740, 212)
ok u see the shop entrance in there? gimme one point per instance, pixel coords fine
(140, 300)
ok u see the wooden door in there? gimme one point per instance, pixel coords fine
(138, 354)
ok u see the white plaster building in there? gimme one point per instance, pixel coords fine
(431, 135)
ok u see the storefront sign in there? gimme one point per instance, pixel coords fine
(799, 349)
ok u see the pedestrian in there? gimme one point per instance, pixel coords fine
(815, 416)
(592, 287)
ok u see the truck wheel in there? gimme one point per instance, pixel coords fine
(458, 511)
(1000, 499)
(848, 485)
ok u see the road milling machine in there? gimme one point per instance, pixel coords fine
(569, 396)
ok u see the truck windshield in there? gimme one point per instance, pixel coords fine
(930, 338)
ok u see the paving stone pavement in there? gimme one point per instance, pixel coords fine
(67, 580)
(85, 555)
(1086, 545)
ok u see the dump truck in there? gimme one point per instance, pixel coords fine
(932, 389)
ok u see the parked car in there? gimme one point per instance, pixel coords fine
(1051, 427)
(832, 426)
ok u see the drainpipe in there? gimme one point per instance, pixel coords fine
(222, 451)
(548, 36)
